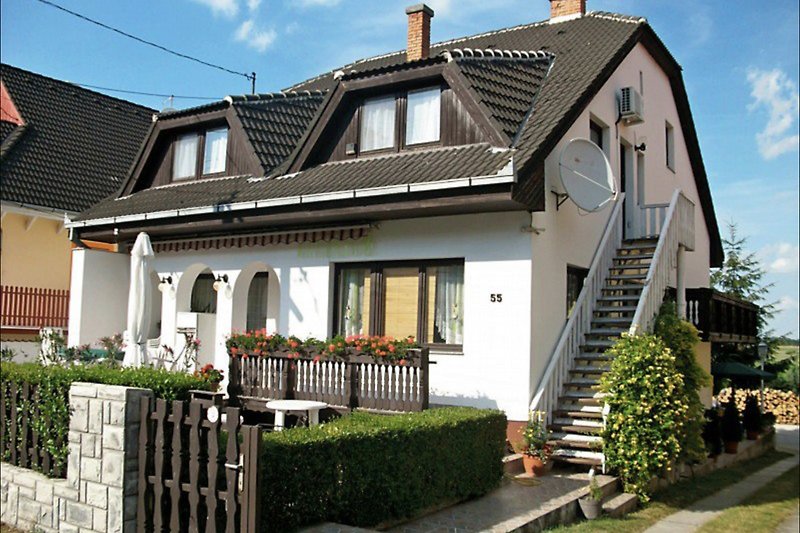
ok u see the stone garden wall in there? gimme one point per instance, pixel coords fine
(99, 494)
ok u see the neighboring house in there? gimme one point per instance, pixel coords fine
(64, 148)
(418, 193)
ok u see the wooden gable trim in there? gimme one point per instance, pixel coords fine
(161, 127)
(318, 124)
(479, 113)
(254, 165)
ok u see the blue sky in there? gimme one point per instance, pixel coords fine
(740, 61)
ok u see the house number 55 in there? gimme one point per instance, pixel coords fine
(496, 298)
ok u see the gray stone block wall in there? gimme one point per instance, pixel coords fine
(99, 494)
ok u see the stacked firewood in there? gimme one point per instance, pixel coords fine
(785, 405)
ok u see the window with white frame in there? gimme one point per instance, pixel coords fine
(377, 124)
(215, 151)
(423, 116)
(669, 145)
(184, 163)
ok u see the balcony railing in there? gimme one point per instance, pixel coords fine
(33, 308)
(722, 318)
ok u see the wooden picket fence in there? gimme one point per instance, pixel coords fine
(197, 472)
(34, 308)
(352, 382)
(20, 443)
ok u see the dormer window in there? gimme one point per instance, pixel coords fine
(377, 124)
(184, 163)
(212, 144)
(216, 150)
(423, 116)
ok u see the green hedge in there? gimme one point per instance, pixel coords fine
(366, 469)
(51, 419)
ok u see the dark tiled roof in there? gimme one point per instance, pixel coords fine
(583, 49)
(275, 125)
(507, 87)
(426, 166)
(76, 147)
(5, 129)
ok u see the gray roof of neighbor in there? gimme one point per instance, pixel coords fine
(75, 147)
(428, 166)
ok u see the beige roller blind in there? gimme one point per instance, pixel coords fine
(402, 302)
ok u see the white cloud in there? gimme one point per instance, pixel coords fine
(780, 258)
(252, 5)
(226, 8)
(257, 39)
(701, 25)
(774, 91)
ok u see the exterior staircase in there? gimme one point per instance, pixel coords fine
(577, 419)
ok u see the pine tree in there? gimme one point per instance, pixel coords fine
(742, 276)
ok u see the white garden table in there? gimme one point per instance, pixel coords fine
(281, 407)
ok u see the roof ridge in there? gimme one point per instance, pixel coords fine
(186, 182)
(409, 153)
(72, 85)
(497, 53)
(247, 98)
(618, 17)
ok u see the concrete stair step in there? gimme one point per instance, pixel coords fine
(593, 356)
(590, 369)
(575, 440)
(626, 277)
(598, 343)
(623, 287)
(577, 425)
(582, 457)
(607, 331)
(578, 395)
(579, 414)
(630, 266)
(617, 308)
(581, 383)
(512, 464)
(620, 298)
(633, 257)
(619, 505)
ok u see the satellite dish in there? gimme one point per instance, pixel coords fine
(586, 175)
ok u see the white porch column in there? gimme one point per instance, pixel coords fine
(681, 283)
(225, 303)
(169, 309)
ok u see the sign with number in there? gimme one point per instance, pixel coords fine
(496, 298)
(212, 414)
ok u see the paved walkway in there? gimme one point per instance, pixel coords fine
(787, 438)
(790, 525)
(694, 516)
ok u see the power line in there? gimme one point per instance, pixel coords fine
(126, 91)
(251, 76)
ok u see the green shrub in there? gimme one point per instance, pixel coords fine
(681, 338)
(732, 430)
(366, 469)
(751, 418)
(647, 412)
(51, 418)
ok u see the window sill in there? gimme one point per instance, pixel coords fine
(436, 352)
(671, 169)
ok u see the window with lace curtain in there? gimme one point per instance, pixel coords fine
(424, 300)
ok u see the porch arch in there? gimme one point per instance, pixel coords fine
(242, 293)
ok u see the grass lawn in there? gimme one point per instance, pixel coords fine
(765, 510)
(786, 351)
(8, 529)
(675, 498)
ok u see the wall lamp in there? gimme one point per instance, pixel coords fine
(221, 283)
(640, 147)
(166, 285)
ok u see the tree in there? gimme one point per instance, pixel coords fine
(742, 276)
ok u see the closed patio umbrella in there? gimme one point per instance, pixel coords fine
(139, 299)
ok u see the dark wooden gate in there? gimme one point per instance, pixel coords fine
(198, 469)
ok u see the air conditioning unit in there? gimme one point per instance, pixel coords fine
(631, 106)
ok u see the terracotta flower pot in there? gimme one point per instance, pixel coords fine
(590, 508)
(752, 435)
(534, 466)
(732, 447)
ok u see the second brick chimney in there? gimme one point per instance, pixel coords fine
(419, 32)
(566, 9)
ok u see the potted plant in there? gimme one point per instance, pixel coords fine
(751, 417)
(591, 503)
(536, 451)
(731, 427)
(712, 435)
(211, 375)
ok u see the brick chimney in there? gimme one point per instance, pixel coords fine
(566, 9)
(419, 32)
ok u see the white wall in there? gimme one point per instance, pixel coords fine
(570, 237)
(494, 368)
(98, 302)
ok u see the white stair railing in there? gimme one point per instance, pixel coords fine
(677, 230)
(572, 336)
(651, 221)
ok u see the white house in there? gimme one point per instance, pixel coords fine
(418, 193)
